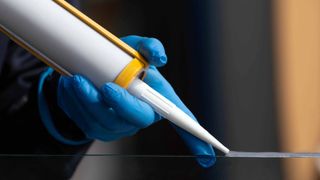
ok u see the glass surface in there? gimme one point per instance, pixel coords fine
(123, 167)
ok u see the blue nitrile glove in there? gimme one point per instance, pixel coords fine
(110, 113)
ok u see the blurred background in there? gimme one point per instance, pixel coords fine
(249, 70)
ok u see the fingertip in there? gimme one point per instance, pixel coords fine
(64, 86)
(110, 88)
(158, 59)
(65, 78)
(163, 59)
(204, 151)
(84, 89)
(207, 158)
(80, 84)
(65, 83)
(206, 161)
(76, 80)
(110, 92)
(127, 106)
(154, 51)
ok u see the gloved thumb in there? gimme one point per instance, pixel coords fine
(151, 48)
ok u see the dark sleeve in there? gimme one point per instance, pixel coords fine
(21, 130)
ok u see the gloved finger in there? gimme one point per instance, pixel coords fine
(91, 98)
(204, 151)
(71, 106)
(197, 146)
(127, 106)
(87, 124)
(151, 48)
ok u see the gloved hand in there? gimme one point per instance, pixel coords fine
(110, 113)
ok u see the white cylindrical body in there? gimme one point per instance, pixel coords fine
(62, 37)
